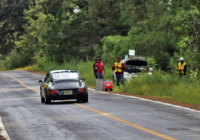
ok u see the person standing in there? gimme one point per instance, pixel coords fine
(100, 69)
(182, 67)
(94, 67)
(119, 68)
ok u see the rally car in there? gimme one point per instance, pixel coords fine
(62, 85)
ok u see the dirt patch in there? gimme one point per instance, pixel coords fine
(196, 107)
(37, 72)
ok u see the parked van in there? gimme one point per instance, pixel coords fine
(135, 65)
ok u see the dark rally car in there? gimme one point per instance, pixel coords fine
(62, 85)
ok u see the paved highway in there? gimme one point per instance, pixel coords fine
(105, 117)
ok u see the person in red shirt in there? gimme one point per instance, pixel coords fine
(119, 68)
(100, 69)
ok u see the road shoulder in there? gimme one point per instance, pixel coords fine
(3, 132)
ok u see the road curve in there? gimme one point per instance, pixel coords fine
(105, 117)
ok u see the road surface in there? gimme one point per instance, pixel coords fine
(105, 117)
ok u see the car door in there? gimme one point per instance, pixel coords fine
(45, 84)
(49, 81)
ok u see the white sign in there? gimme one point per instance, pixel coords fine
(76, 10)
(132, 52)
(126, 57)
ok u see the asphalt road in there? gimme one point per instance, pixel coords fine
(105, 117)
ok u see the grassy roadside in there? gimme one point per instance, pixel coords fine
(160, 85)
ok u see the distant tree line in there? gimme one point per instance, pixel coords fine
(62, 30)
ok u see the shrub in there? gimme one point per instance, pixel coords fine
(13, 60)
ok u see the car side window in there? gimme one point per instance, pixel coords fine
(49, 79)
(79, 75)
(46, 78)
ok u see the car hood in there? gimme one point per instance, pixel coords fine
(136, 63)
(67, 84)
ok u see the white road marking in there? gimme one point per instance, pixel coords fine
(158, 102)
(3, 133)
(91, 89)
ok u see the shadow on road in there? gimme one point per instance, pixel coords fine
(64, 102)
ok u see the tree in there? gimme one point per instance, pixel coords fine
(12, 22)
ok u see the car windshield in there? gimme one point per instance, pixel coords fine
(65, 75)
(136, 63)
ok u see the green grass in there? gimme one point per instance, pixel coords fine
(85, 69)
(171, 87)
(160, 84)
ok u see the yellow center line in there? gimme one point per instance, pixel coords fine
(22, 83)
(128, 123)
(110, 116)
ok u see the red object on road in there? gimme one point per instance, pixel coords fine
(108, 85)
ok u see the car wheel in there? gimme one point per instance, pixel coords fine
(78, 99)
(85, 99)
(47, 100)
(42, 99)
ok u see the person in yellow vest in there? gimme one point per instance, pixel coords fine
(182, 67)
(119, 68)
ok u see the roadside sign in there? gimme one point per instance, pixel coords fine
(132, 52)
(126, 57)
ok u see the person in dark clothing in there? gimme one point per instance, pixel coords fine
(182, 67)
(94, 66)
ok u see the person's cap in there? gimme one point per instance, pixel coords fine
(181, 58)
(96, 56)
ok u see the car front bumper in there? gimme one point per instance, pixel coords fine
(128, 76)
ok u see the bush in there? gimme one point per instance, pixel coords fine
(12, 61)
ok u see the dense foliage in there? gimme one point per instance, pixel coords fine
(35, 31)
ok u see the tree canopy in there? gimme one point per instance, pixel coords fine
(62, 30)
